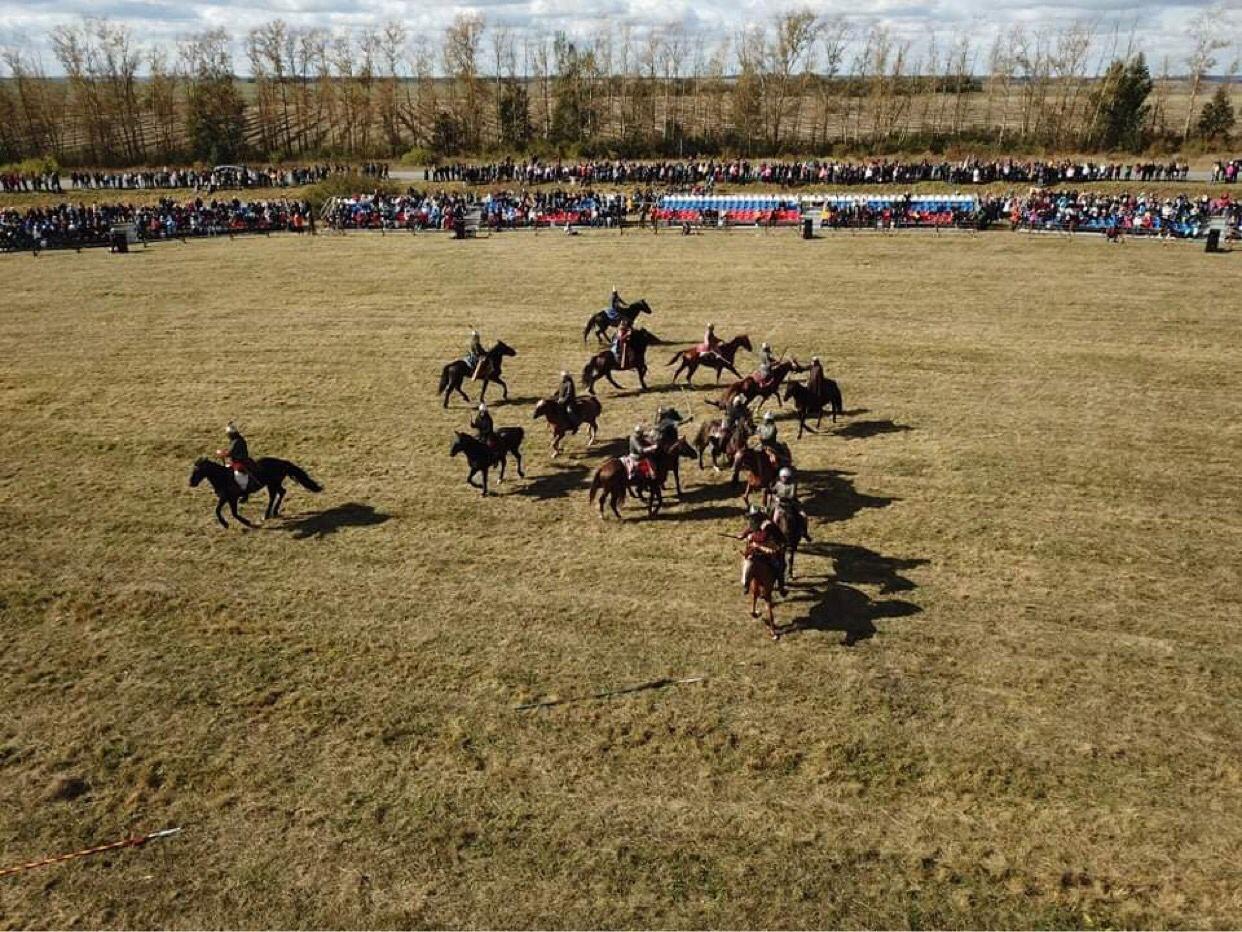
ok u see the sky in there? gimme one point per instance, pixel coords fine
(1159, 26)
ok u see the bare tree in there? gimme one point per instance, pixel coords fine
(1206, 37)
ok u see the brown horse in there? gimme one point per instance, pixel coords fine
(612, 480)
(760, 585)
(719, 360)
(602, 365)
(587, 410)
(750, 387)
(760, 473)
(807, 405)
(709, 438)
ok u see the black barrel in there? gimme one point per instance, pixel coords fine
(808, 228)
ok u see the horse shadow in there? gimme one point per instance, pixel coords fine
(517, 400)
(701, 513)
(828, 494)
(860, 430)
(558, 484)
(617, 446)
(864, 566)
(838, 607)
(320, 524)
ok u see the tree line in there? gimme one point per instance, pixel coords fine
(796, 83)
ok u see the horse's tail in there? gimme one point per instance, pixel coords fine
(444, 379)
(587, 371)
(299, 475)
(680, 354)
(596, 484)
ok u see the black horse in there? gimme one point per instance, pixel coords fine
(603, 364)
(271, 474)
(481, 457)
(809, 406)
(455, 373)
(601, 323)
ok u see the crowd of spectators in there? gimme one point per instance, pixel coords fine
(418, 210)
(1227, 172)
(704, 174)
(222, 177)
(1180, 216)
(75, 226)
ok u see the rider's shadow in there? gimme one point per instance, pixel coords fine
(839, 607)
(830, 495)
(322, 523)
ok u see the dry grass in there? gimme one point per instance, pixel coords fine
(1033, 504)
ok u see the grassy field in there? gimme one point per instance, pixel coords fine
(1030, 519)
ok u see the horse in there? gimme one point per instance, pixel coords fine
(760, 585)
(455, 373)
(793, 525)
(719, 359)
(602, 323)
(603, 364)
(269, 472)
(807, 404)
(709, 438)
(760, 473)
(668, 462)
(588, 412)
(481, 457)
(612, 480)
(750, 387)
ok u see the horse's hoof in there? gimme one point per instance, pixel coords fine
(754, 614)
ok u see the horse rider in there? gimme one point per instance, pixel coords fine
(484, 429)
(710, 341)
(764, 541)
(735, 415)
(815, 380)
(766, 362)
(566, 397)
(777, 452)
(616, 305)
(621, 342)
(785, 494)
(238, 458)
(640, 449)
(668, 422)
(475, 355)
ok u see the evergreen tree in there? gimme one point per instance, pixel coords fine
(1217, 119)
(1120, 105)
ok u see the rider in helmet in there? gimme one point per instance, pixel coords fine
(620, 342)
(483, 427)
(766, 362)
(766, 433)
(710, 340)
(238, 457)
(785, 494)
(566, 396)
(640, 450)
(735, 414)
(474, 356)
(764, 541)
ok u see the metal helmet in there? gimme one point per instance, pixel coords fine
(786, 473)
(474, 333)
(564, 374)
(766, 345)
(482, 406)
(614, 290)
(230, 429)
(814, 359)
(711, 326)
(739, 400)
(769, 416)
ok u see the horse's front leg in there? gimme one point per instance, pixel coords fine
(642, 377)
(502, 469)
(237, 514)
(504, 388)
(517, 458)
(677, 480)
(220, 513)
(592, 428)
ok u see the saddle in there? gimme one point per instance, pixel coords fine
(613, 316)
(642, 468)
